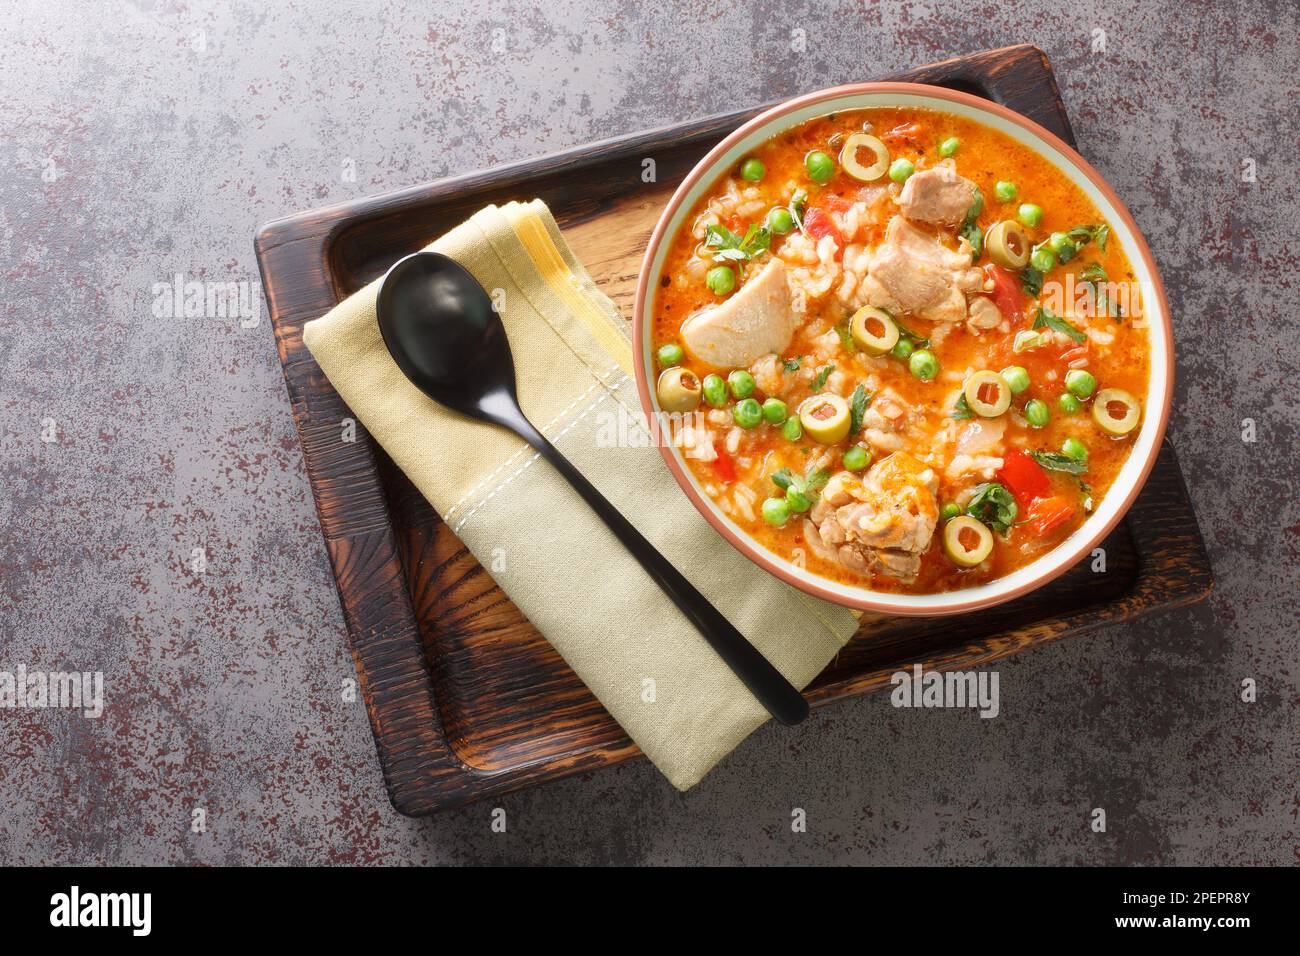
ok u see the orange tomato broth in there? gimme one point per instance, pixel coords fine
(985, 156)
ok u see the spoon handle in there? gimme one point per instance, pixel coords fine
(764, 681)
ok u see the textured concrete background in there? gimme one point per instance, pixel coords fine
(147, 139)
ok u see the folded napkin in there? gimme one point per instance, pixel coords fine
(546, 549)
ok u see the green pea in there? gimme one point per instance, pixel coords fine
(741, 383)
(1062, 245)
(820, 166)
(1016, 377)
(856, 458)
(902, 350)
(1037, 413)
(752, 169)
(792, 430)
(1005, 191)
(949, 511)
(747, 413)
(1043, 259)
(1068, 404)
(720, 280)
(780, 221)
(1080, 383)
(923, 365)
(776, 512)
(1073, 448)
(949, 146)
(1030, 214)
(797, 501)
(774, 411)
(900, 169)
(715, 390)
(670, 354)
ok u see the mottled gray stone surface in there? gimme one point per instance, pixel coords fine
(147, 139)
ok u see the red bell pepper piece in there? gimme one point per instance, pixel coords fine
(1024, 477)
(1049, 516)
(1007, 294)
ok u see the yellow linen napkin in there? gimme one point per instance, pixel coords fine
(546, 549)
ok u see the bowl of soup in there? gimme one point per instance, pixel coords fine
(905, 349)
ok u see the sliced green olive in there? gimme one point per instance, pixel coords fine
(967, 541)
(679, 390)
(987, 393)
(1115, 411)
(873, 330)
(849, 157)
(1008, 245)
(825, 418)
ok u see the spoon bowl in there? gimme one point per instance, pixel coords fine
(444, 333)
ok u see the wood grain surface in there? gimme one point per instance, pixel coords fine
(466, 699)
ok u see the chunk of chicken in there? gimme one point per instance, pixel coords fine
(883, 522)
(754, 322)
(921, 275)
(937, 196)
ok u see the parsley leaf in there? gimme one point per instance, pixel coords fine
(1098, 233)
(846, 337)
(783, 479)
(726, 245)
(1057, 324)
(858, 407)
(809, 484)
(961, 408)
(969, 230)
(798, 202)
(916, 340)
(815, 481)
(993, 505)
(792, 365)
(1055, 461)
(820, 381)
(1094, 277)
(1031, 280)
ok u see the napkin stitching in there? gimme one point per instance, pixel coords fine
(524, 467)
(506, 464)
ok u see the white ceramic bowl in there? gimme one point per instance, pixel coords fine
(1146, 445)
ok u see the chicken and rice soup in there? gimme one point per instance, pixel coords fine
(910, 358)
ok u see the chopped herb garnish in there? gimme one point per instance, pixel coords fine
(1086, 490)
(961, 408)
(798, 202)
(1055, 461)
(1094, 277)
(809, 484)
(1098, 233)
(846, 337)
(993, 505)
(820, 381)
(916, 340)
(1044, 318)
(1031, 280)
(727, 245)
(792, 365)
(969, 230)
(858, 407)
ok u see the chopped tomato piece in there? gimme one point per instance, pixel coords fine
(1024, 476)
(819, 223)
(724, 466)
(1007, 294)
(1049, 516)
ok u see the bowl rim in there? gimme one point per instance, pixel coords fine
(1055, 562)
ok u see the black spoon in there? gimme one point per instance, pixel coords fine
(441, 329)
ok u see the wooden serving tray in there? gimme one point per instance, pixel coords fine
(466, 698)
